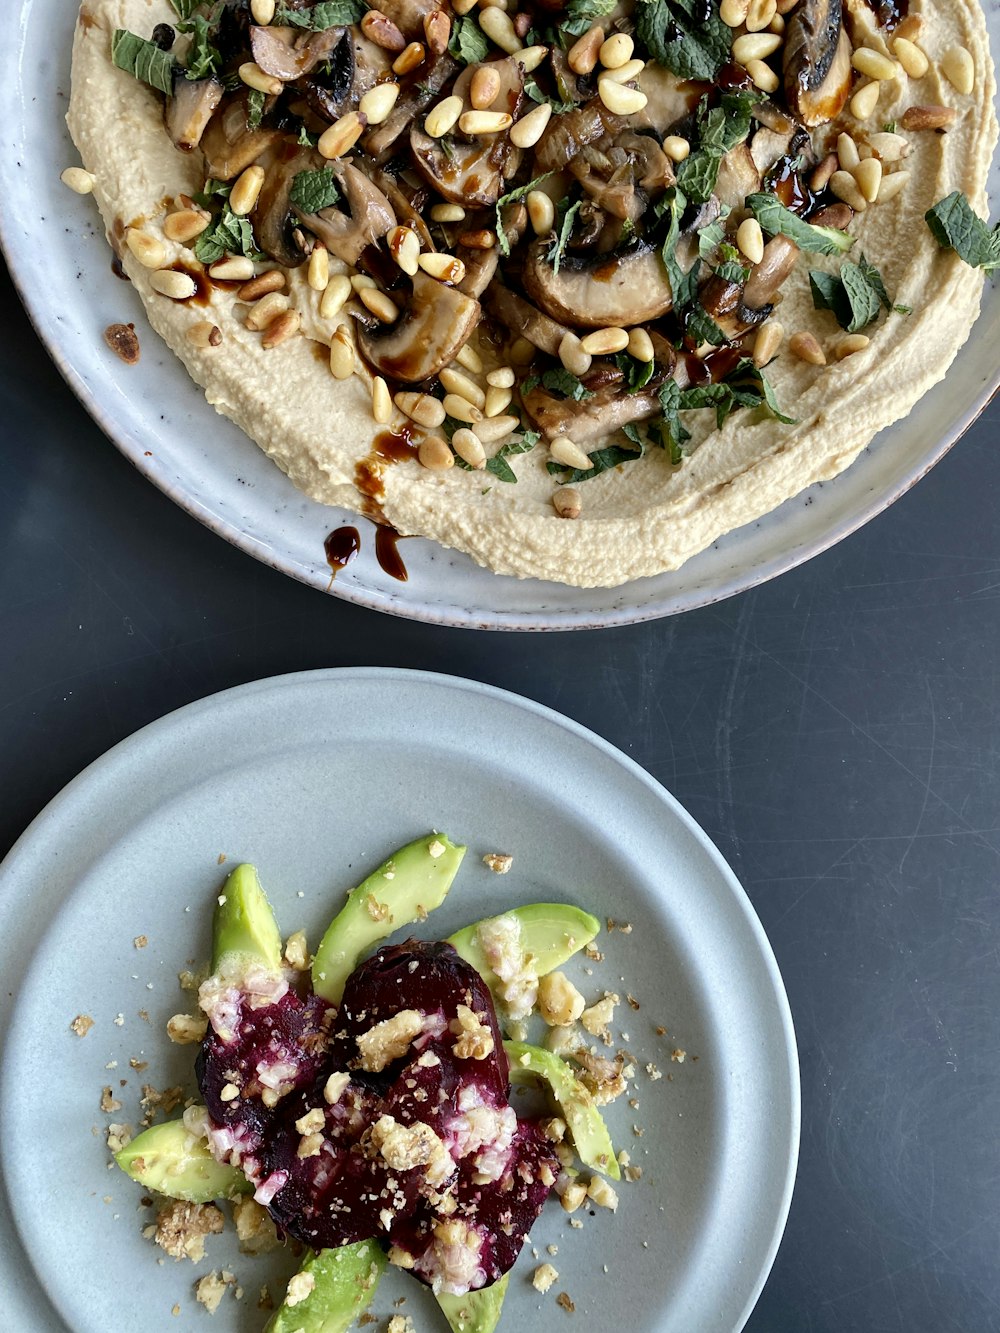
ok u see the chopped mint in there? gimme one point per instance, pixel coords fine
(327, 14)
(957, 227)
(468, 42)
(143, 60)
(854, 296)
(554, 257)
(227, 234)
(602, 460)
(686, 36)
(580, 15)
(255, 108)
(313, 190)
(777, 220)
(511, 198)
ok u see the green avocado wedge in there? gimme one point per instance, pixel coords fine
(244, 930)
(477, 1311)
(550, 934)
(585, 1122)
(345, 1280)
(411, 883)
(167, 1158)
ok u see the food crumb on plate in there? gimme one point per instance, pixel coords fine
(498, 862)
(543, 1277)
(82, 1024)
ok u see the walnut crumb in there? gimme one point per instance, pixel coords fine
(543, 1277)
(389, 1040)
(255, 1229)
(475, 1038)
(678, 1055)
(564, 1301)
(82, 1024)
(181, 1228)
(119, 1137)
(498, 862)
(185, 1029)
(140, 941)
(401, 1323)
(108, 1102)
(297, 951)
(210, 1290)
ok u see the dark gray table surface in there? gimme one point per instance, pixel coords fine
(836, 732)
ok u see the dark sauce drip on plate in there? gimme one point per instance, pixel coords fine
(387, 552)
(341, 547)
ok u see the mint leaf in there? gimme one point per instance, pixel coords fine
(313, 190)
(554, 257)
(828, 294)
(680, 35)
(512, 198)
(498, 464)
(637, 373)
(684, 286)
(213, 189)
(327, 14)
(854, 296)
(777, 220)
(956, 226)
(203, 58)
(700, 326)
(602, 459)
(468, 42)
(255, 108)
(143, 60)
(565, 384)
(228, 234)
(185, 8)
(532, 90)
(580, 15)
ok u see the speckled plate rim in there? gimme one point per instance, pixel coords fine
(629, 605)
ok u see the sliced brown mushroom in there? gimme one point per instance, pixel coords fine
(723, 301)
(614, 290)
(592, 419)
(434, 326)
(295, 59)
(738, 177)
(189, 109)
(525, 320)
(409, 106)
(817, 61)
(668, 98)
(481, 265)
(780, 257)
(230, 147)
(408, 15)
(565, 136)
(273, 213)
(371, 216)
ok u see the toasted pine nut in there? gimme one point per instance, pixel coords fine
(768, 340)
(854, 342)
(469, 447)
(892, 185)
(184, 226)
(522, 352)
(266, 311)
(461, 409)
(382, 306)
(468, 357)
(566, 502)
(150, 252)
(434, 454)
(868, 175)
(819, 178)
(909, 28)
(453, 381)
(572, 355)
(541, 211)
(676, 148)
(377, 103)
(422, 408)
(437, 31)
(484, 239)
(342, 135)
(271, 281)
(619, 99)
(530, 57)
(446, 268)
(318, 273)
(499, 29)
(78, 180)
(254, 77)
(928, 118)
(889, 147)
(169, 282)
(624, 73)
(582, 55)
(410, 58)
(443, 117)
(777, 24)
(563, 450)
(332, 301)
(447, 213)
(845, 187)
(760, 14)
(910, 57)
(244, 193)
(492, 429)
(484, 122)
(640, 345)
(204, 334)
(404, 246)
(262, 11)
(616, 50)
(755, 46)
(381, 401)
(530, 128)
(381, 30)
(750, 240)
(497, 400)
(463, 7)
(501, 378)
(865, 100)
(806, 348)
(604, 342)
(847, 152)
(874, 64)
(959, 69)
(342, 354)
(763, 76)
(734, 12)
(484, 88)
(281, 329)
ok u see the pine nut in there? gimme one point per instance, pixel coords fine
(437, 31)
(624, 73)
(820, 176)
(359, 281)
(342, 354)
(762, 76)
(381, 30)
(499, 29)
(854, 342)
(381, 401)
(254, 77)
(281, 329)
(541, 211)
(572, 355)
(447, 212)
(750, 240)
(910, 57)
(245, 192)
(616, 50)
(928, 118)
(909, 28)
(443, 117)
(262, 11)
(874, 64)
(484, 88)
(377, 103)
(620, 100)
(455, 405)
(484, 239)
(184, 226)
(422, 408)
(734, 12)
(847, 152)
(204, 334)
(806, 348)
(755, 46)
(150, 252)
(760, 14)
(382, 306)
(468, 357)
(640, 345)
(530, 57)
(604, 342)
(332, 301)
(522, 352)
(845, 187)
(865, 100)
(265, 311)
(959, 69)
(78, 180)
(469, 447)
(404, 246)
(342, 135)
(868, 175)
(453, 381)
(272, 281)
(318, 273)
(566, 502)
(446, 268)
(464, 7)
(409, 59)
(530, 128)
(676, 148)
(563, 450)
(501, 378)
(892, 185)
(484, 122)
(435, 455)
(786, 6)
(497, 400)
(493, 429)
(889, 147)
(582, 55)
(169, 282)
(768, 340)
(777, 24)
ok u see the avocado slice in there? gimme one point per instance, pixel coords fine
(411, 883)
(345, 1281)
(477, 1311)
(244, 930)
(585, 1122)
(169, 1159)
(550, 933)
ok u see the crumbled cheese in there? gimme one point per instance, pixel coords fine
(543, 1277)
(389, 1040)
(181, 1228)
(82, 1024)
(498, 862)
(475, 1038)
(300, 1285)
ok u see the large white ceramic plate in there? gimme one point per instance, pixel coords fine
(157, 416)
(315, 777)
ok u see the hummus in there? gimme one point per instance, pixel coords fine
(638, 518)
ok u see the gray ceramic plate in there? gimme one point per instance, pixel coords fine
(315, 777)
(159, 419)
